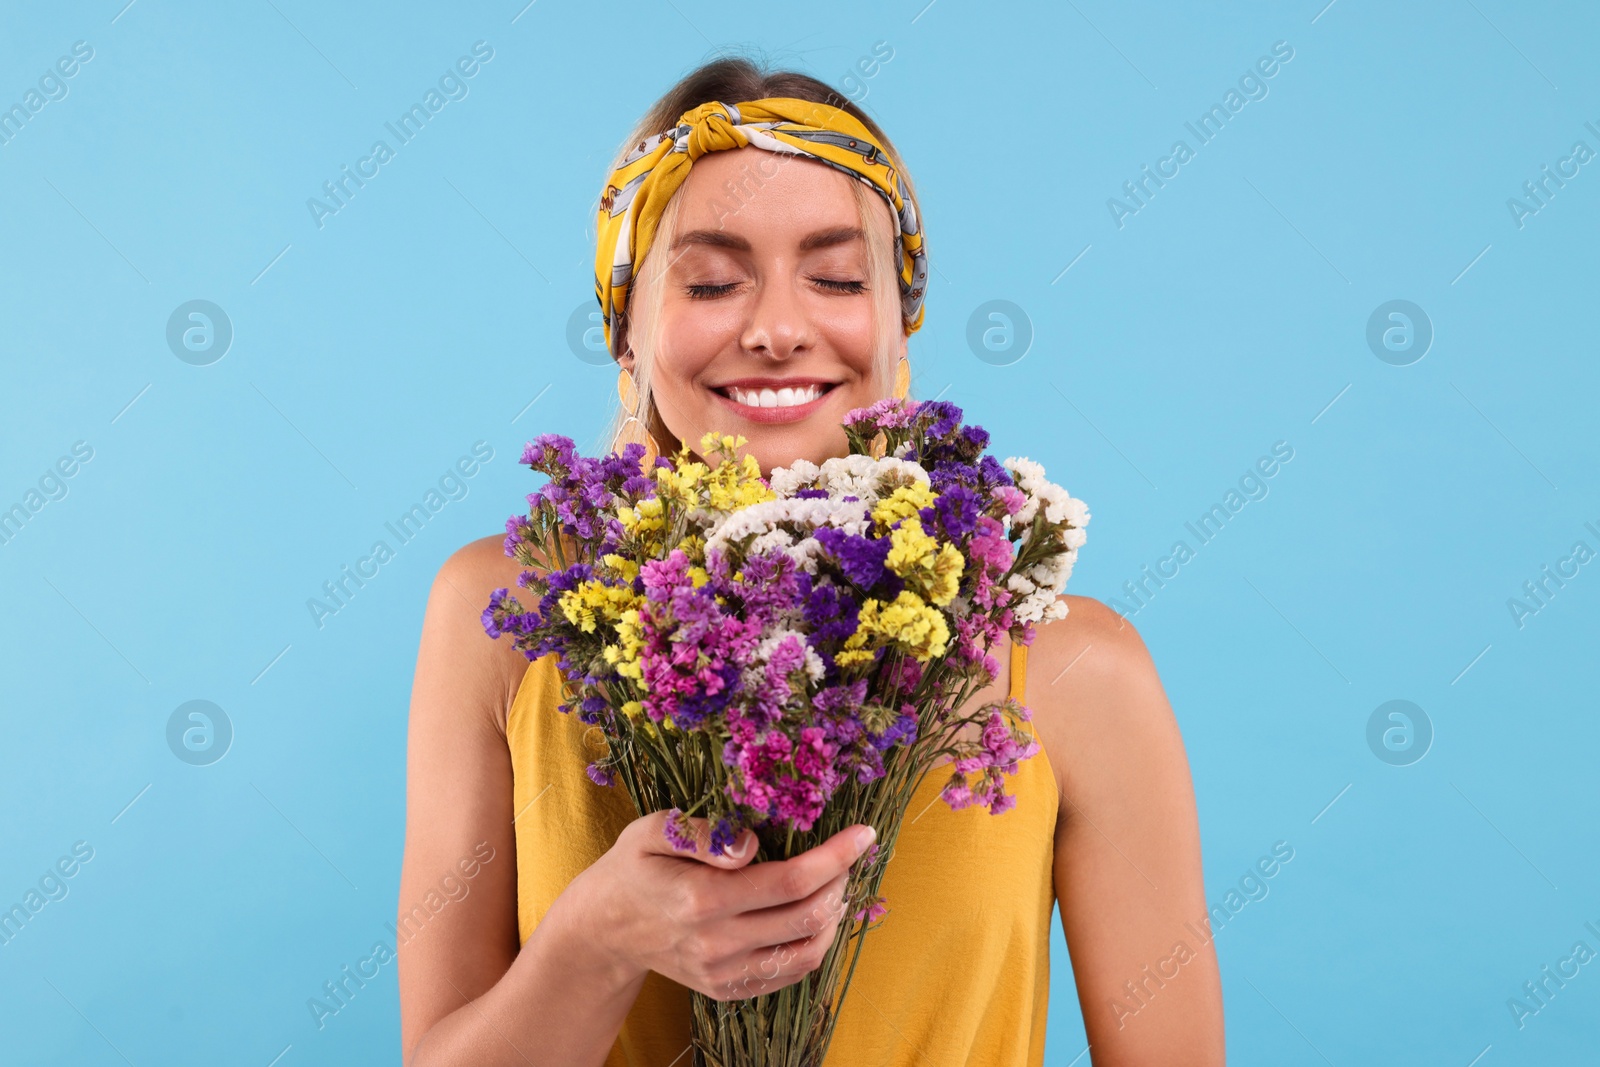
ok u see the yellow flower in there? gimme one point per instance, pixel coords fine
(646, 517)
(713, 441)
(909, 548)
(735, 485)
(947, 570)
(693, 546)
(593, 602)
(630, 642)
(931, 568)
(625, 568)
(680, 483)
(905, 501)
(908, 622)
(734, 482)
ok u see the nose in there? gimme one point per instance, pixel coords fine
(779, 326)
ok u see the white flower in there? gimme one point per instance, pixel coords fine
(766, 521)
(866, 478)
(1059, 506)
(797, 475)
(771, 539)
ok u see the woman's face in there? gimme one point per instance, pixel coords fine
(767, 316)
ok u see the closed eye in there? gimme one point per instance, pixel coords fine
(704, 292)
(708, 292)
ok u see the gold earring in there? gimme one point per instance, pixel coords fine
(633, 429)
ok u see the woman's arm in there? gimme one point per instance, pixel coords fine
(468, 993)
(1127, 861)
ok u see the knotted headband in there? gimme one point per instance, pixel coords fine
(639, 189)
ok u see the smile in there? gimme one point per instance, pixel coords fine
(774, 405)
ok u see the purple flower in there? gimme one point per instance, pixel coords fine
(693, 648)
(873, 911)
(722, 836)
(679, 831)
(890, 413)
(861, 558)
(490, 621)
(770, 584)
(942, 418)
(550, 453)
(954, 513)
(830, 614)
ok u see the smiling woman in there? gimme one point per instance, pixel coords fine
(730, 247)
(760, 269)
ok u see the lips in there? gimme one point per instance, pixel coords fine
(737, 399)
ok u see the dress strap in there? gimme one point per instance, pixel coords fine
(1019, 671)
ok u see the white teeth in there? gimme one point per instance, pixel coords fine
(781, 398)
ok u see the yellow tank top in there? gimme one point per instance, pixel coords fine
(959, 971)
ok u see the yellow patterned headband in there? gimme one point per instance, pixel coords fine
(639, 189)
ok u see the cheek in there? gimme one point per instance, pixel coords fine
(691, 336)
(698, 328)
(851, 335)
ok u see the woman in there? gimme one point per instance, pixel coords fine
(775, 292)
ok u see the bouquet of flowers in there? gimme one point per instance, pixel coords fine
(792, 654)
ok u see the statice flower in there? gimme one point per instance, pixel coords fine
(774, 652)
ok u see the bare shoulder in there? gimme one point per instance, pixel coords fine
(1099, 706)
(1093, 640)
(456, 650)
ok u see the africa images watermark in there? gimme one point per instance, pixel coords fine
(1541, 590)
(1539, 992)
(452, 85)
(1252, 86)
(52, 886)
(1252, 486)
(1251, 886)
(452, 486)
(831, 909)
(1538, 192)
(865, 69)
(52, 485)
(52, 87)
(339, 991)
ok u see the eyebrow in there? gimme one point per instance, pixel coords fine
(836, 235)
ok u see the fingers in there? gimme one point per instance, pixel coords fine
(768, 969)
(779, 882)
(815, 916)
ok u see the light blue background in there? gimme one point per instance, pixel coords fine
(1229, 313)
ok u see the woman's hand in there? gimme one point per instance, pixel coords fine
(716, 924)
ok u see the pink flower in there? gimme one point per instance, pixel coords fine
(1011, 497)
(872, 912)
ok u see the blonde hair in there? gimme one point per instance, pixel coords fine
(734, 79)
